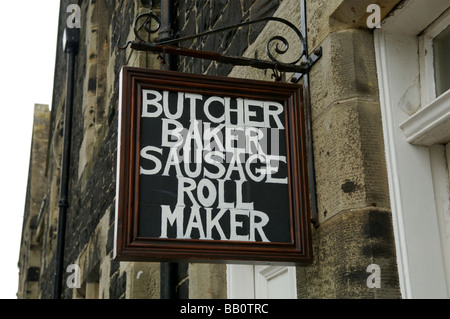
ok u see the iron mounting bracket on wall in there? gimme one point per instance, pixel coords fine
(144, 22)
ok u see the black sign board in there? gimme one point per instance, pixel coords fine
(211, 169)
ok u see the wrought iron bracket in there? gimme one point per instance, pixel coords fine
(301, 65)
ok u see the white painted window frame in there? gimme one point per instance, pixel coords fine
(417, 222)
(264, 275)
(255, 282)
(240, 282)
(426, 57)
(430, 124)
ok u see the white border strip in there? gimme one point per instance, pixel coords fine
(391, 165)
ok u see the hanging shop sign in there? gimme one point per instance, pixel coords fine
(211, 169)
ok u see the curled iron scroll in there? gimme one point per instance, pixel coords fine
(285, 42)
(146, 20)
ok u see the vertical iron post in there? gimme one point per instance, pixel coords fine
(70, 43)
(307, 99)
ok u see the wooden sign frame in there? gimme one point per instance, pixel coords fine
(131, 246)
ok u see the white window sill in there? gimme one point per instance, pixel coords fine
(430, 125)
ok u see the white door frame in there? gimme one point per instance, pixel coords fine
(420, 258)
(261, 282)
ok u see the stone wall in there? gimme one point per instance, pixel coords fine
(196, 16)
(105, 25)
(30, 250)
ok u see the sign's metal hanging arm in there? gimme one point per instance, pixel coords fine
(144, 22)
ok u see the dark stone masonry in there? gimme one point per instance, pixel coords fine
(199, 16)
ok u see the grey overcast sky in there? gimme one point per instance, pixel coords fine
(28, 31)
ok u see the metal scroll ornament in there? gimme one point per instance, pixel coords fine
(144, 22)
(148, 23)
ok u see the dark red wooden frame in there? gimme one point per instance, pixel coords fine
(129, 247)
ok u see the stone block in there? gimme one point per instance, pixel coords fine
(328, 16)
(231, 16)
(217, 7)
(346, 70)
(318, 13)
(344, 247)
(349, 158)
(289, 10)
(263, 8)
(353, 13)
(143, 281)
(207, 281)
(246, 4)
(117, 289)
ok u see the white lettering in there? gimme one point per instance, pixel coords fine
(249, 113)
(180, 105)
(144, 154)
(222, 203)
(146, 103)
(186, 185)
(234, 224)
(274, 113)
(213, 198)
(171, 217)
(239, 203)
(216, 163)
(255, 219)
(258, 226)
(193, 103)
(206, 109)
(195, 221)
(209, 199)
(175, 133)
(172, 160)
(214, 223)
(239, 110)
(271, 168)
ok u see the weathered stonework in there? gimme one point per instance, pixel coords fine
(105, 26)
(207, 281)
(344, 247)
(30, 250)
(346, 71)
(199, 16)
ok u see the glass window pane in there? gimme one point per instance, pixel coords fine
(442, 61)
